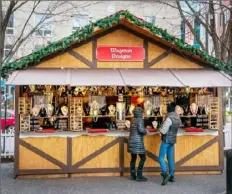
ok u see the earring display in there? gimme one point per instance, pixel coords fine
(214, 113)
(25, 123)
(76, 114)
(25, 105)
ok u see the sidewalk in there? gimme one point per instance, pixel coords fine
(189, 184)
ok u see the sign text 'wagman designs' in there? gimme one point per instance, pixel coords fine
(120, 53)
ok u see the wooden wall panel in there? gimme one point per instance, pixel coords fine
(108, 159)
(152, 144)
(187, 144)
(209, 157)
(120, 38)
(53, 146)
(65, 60)
(29, 160)
(173, 61)
(154, 51)
(85, 50)
(83, 146)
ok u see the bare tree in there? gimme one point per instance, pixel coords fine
(52, 11)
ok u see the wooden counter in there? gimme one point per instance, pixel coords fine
(77, 154)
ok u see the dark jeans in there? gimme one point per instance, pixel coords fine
(141, 163)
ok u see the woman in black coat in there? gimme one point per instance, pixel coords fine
(136, 144)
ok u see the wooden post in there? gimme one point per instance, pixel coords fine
(17, 131)
(220, 130)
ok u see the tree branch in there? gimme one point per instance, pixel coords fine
(189, 25)
(7, 16)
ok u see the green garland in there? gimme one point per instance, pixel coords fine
(87, 32)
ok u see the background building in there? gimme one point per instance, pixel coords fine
(62, 23)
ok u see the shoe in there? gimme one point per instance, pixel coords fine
(133, 175)
(140, 176)
(166, 177)
(171, 179)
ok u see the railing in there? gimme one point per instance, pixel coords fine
(7, 144)
(228, 136)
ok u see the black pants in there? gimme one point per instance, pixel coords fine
(141, 163)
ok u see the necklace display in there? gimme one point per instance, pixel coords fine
(64, 110)
(179, 110)
(36, 110)
(87, 109)
(32, 88)
(201, 110)
(155, 124)
(103, 109)
(207, 109)
(48, 88)
(61, 89)
(112, 110)
(94, 108)
(194, 108)
(186, 109)
(49, 110)
(148, 108)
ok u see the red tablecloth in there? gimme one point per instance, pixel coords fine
(193, 129)
(97, 130)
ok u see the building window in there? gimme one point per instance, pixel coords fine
(150, 19)
(79, 21)
(45, 24)
(10, 25)
(197, 27)
(182, 31)
(38, 46)
(7, 49)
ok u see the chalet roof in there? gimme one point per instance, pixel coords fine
(106, 23)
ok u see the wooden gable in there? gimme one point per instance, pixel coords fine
(157, 55)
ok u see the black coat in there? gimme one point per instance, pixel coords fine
(137, 131)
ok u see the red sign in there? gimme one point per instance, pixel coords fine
(120, 53)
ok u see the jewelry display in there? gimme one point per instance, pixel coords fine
(156, 111)
(155, 124)
(207, 109)
(112, 110)
(63, 124)
(86, 109)
(49, 110)
(24, 123)
(179, 110)
(32, 88)
(186, 109)
(214, 113)
(36, 110)
(148, 108)
(94, 108)
(64, 110)
(25, 105)
(120, 115)
(76, 109)
(120, 109)
(194, 108)
(104, 110)
(61, 90)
